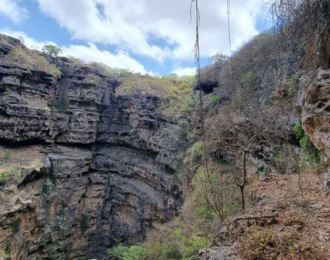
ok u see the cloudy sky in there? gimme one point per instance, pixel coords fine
(146, 36)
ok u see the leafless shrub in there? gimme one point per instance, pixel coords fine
(304, 26)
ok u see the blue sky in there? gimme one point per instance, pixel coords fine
(143, 36)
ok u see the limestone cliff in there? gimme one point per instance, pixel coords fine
(313, 103)
(81, 169)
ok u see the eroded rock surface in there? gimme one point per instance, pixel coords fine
(314, 101)
(81, 168)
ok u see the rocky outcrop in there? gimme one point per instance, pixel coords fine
(314, 104)
(81, 169)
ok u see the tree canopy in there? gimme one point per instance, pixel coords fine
(51, 50)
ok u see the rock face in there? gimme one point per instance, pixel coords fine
(81, 169)
(314, 102)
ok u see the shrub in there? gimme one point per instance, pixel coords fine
(84, 224)
(16, 226)
(189, 245)
(8, 248)
(9, 175)
(249, 78)
(32, 60)
(45, 188)
(132, 86)
(187, 105)
(4, 255)
(7, 156)
(172, 90)
(172, 251)
(214, 99)
(313, 155)
(61, 213)
(194, 154)
(134, 252)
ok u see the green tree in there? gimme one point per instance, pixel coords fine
(51, 50)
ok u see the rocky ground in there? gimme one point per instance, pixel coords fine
(289, 219)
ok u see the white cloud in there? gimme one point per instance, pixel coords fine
(184, 71)
(12, 10)
(26, 40)
(138, 26)
(91, 53)
(121, 60)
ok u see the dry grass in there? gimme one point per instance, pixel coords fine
(172, 91)
(32, 60)
(269, 244)
(300, 229)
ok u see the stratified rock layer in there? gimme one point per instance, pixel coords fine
(82, 169)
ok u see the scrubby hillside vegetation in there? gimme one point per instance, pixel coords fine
(103, 163)
(254, 180)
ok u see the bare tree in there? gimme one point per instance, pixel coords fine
(236, 132)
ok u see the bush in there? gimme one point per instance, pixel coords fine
(174, 244)
(9, 175)
(249, 79)
(172, 90)
(84, 224)
(194, 155)
(135, 252)
(312, 154)
(4, 255)
(214, 99)
(32, 60)
(7, 156)
(172, 251)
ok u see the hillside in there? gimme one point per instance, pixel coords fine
(102, 163)
(262, 191)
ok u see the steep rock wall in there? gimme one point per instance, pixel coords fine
(314, 105)
(81, 169)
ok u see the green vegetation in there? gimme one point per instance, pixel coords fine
(8, 248)
(51, 50)
(214, 99)
(249, 78)
(84, 223)
(175, 92)
(59, 169)
(5, 255)
(7, 156)
(32, 60)
(194, 155)
(45, 188)
(261, 171)
(172, 251)
(312, 155)
(9, 175)
(176, 247)
(60, 212)
(292, 86)
(135, 133)
(104, 69)
(132, 86)
(135, 252)
(16, 226)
